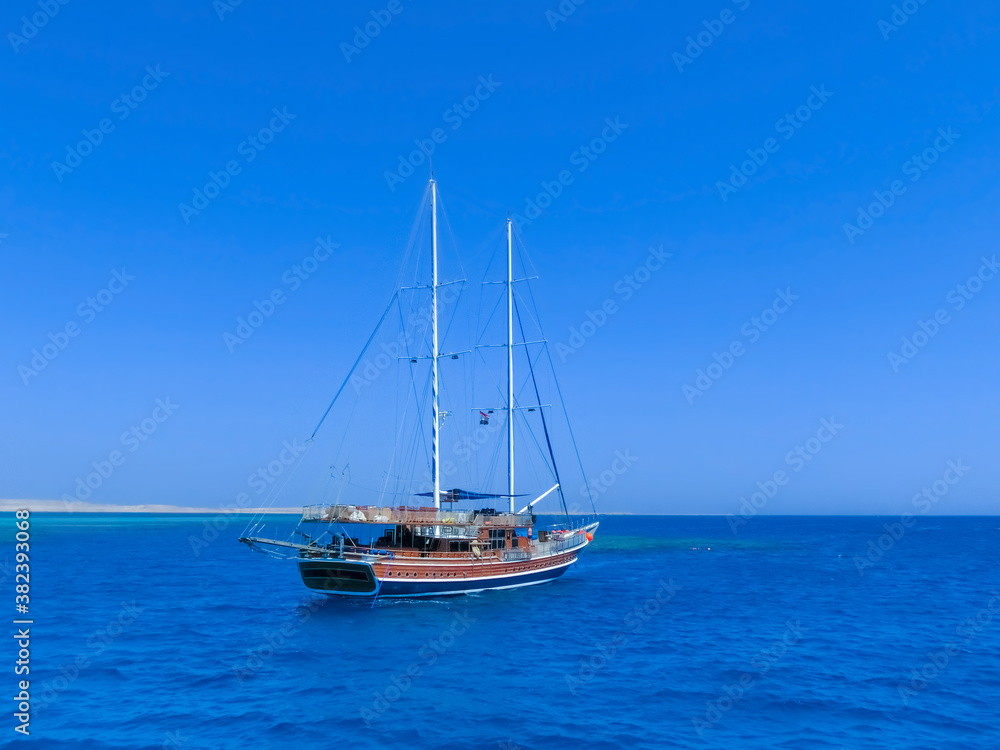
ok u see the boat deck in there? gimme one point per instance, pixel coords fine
(373, 514)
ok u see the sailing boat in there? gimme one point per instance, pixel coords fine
(395, 550)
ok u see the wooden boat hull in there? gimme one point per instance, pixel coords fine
(359, 578)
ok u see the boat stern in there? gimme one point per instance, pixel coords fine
(330, 576)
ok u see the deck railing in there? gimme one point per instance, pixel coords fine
(516, 555)
(421, 516)
(558, 545)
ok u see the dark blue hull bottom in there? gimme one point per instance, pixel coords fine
(450, 587)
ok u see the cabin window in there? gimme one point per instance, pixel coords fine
(498, 539)
(356, 575)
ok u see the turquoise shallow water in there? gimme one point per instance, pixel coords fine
(671, 632)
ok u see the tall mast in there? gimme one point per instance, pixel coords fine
(510, 369)
(435, 463)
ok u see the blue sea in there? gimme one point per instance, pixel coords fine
(161, 631)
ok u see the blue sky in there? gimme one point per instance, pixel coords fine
(737, 138)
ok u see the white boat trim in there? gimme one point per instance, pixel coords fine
(452, 582)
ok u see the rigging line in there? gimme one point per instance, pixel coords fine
(356, 485)
(402, 325)
(497, 238)
(451, 234)
(525, 254)
(524, 382)
(275, 490)
(354, 366)
(548, 354)
(479, 309)
(499, 254)
(412, 444)
(420, 438)
(395, 442)
(479, 350)
(534, 306)
(418, 222)
(545, 426)
(402, 424)
(454, 312)
(500, 298)
(326, 491)
(405, 335)
(417, 315)
(385, 574)
(479, 337)
(527, 429)
(490, 318)
(346, 429)
(343, 436)
(493, 465)
(533, 318)
(416, 401)
(576, 449)
(502, 397)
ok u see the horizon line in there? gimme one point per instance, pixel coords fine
(58, 506)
